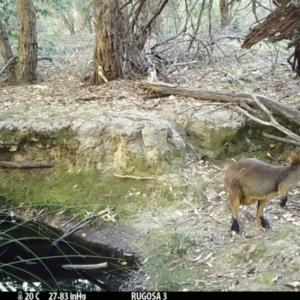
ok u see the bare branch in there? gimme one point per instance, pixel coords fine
(272, 124)
(12, 61)
(155, 15)
(127, 3)
(86, 267)
(280, 139)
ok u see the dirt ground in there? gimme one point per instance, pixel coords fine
(192, 234)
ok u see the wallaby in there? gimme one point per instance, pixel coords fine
(250, 180)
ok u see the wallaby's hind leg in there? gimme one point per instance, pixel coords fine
(259, 215)
(283, 201)
(234, 203)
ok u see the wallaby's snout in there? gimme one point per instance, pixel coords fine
(251, 180)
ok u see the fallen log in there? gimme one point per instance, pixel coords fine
(276, 107)
(26, 165)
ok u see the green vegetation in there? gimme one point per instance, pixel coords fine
(82, 192)
(285, 232)
(167, 265)
(297, 267)
(266, 278)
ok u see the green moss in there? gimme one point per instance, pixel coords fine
(139, 166)
(8, 135)
(84, 191)
(66, 136)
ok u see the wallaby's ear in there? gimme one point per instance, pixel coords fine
(293, 155)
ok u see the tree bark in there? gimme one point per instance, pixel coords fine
(108, 46)
(276, 107)
(25, 69)
(5, 47)
(225, 12)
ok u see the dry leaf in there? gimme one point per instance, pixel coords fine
(221, 274)
(287, 215)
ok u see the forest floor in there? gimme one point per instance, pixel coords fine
(186, 246)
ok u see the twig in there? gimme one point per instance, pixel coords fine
(204, 214)
(208, 215)
(186, 63)
(88, 98)
(81, 224)
(130, 1)
(12, 61)
(148, 26)
(277, 138)
(45, 58)
(133, 177)
(104, 287)
(205, 104)
(86, 267)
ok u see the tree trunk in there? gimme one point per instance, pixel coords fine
(5, 48)
(108, 50)
(25, 69)
(225, 11)
(116, 53)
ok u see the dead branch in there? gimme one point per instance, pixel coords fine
(86, 267)
(248, 98)
(130, 1)
(276, 107)
(195, 30)
(280, 139)
(148, 26)
(12, 61)
(26, 165)
(91, 98)
(133, 177)
(82, 223)
(272, 123)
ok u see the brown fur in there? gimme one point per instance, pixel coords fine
(250, 180)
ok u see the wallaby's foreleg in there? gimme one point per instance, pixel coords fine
(259, 215)
(234, 203)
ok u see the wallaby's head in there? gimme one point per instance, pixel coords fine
(294, 158)
(294, 168)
